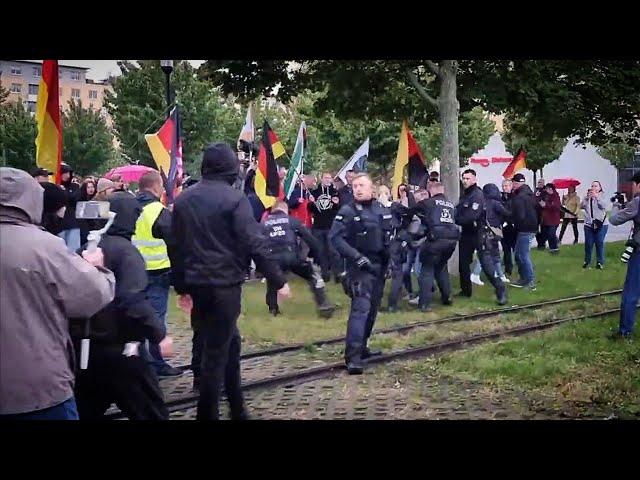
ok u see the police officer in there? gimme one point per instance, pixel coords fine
(282, 233)
(437, 215)
(399, 248)
(361, 233)
(469, 214)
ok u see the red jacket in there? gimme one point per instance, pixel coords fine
(551, 213)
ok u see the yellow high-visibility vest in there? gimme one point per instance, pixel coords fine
(153, 250)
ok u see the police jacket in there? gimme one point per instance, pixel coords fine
(523, 210)
(323, 209)
(469, 210)
(363, 229)
(130, 316)
(437, 215)
(282, 232)
(216, 233)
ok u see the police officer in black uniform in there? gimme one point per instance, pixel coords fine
(282, 233)
(361, 233)
(470, 215)
(437, 215)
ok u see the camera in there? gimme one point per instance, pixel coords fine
(618, 197)
(631, 246)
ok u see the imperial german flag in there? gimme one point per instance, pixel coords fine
(49, 139)
(267, 182)
(518, 163)
(408, 154)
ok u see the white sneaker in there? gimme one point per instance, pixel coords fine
(476, 279)
(414, 301)
(407, 297)
(505, 279)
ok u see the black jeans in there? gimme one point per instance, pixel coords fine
(329, 259)
(574, 223)
(216, 311)
(434, 258)
(550, 235)
(290, 263)
(129, 382)
(508, 248)
(487, 252)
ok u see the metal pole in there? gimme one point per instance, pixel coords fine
(168, 75)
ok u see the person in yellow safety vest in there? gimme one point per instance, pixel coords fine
(153, 239)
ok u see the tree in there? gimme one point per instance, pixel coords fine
(87, 140)
(138, 106)
(17, 136)
(4, 93)
(621, 152)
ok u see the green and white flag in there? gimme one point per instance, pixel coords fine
(296, 167)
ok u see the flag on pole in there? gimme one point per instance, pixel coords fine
(518, 163)
(267, 181)
(49, 139)
(166, 150)
(358, 161)
(248, 130)
(409, 154)
(297, 161)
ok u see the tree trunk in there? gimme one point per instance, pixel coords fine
(450, 154)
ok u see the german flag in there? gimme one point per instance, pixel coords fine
(518, 163)
(267, 182)
(166, 149)
(49, 139)
(409, 154)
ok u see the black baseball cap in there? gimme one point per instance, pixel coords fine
(40, 172)
(518, 177)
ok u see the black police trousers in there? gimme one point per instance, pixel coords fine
(434, 257)
(291, 263)
(329, 260)
(366, 292)
(217, 310)
(487, 249)
(232, 382)
(129, 382)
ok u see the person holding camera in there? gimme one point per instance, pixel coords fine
(595, 224)
(631, 290)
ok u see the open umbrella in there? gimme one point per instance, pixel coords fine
(565, 182)
(129, 173)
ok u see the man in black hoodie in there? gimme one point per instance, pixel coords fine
(216, 236)
(117, 372)
(324, 207)
(70, 227)
(525, 220)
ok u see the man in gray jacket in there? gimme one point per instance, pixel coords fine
(631, 291)
(43, 284)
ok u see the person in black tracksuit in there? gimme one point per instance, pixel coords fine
(324, 209)
(470, 215)
(216, 236)
(437, 215)
(509, 233)
(282, 233)
(113, 377)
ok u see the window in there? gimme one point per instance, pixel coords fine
(37, 71)
(16, 70)
(93, 94)
(91, 106)
(75, 93)
(33, 89)
(16, 88)
(75, 75)
(31, 107)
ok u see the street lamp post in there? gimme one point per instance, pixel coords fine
(167, 68)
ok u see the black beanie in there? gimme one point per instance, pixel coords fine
(54, 197)
(220, 161)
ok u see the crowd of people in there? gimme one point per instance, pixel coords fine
(115, 298)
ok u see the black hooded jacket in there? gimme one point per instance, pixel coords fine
(73, 196)
(215, 231)
(130, 317)
(495, 211)
(523, 210)
(323, 209)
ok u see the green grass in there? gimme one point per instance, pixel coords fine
(558, 276)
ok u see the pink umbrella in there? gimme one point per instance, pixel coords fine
(129, 173)
(565, 182)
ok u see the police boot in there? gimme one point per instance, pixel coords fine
(355, 366)
(325, 309)
(367, 353)
(502, 296)
(353, 358)
(275, 311)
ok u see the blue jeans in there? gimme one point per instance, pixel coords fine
(523, 256)
(66, 410)
(551, 234)
(158, 294)
(72, 238)
(630, 295)
(477, 267)
(597, 238)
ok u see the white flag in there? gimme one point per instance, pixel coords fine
(358, 159)
(248, 131)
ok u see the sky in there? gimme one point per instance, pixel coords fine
(101, 69)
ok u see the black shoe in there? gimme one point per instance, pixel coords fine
(366, 353)
(447, 301)
(354, 368)
(275, 312)
(575, 242)
(169, 371)
(554, 252)
(326, 311)
(599, 266)
(463, 294)
(196, 384)
(502, 297)
(585, 265)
